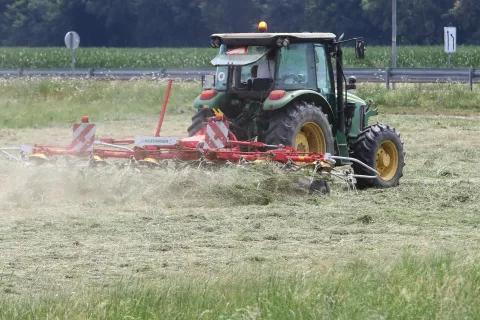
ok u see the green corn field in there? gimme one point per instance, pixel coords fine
(376, 57)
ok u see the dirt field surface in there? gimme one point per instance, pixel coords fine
(64, 231)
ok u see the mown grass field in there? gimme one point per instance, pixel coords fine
(376, 57)
(238, 243)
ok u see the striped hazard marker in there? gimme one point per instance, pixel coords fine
(83, 137)
(216, 135)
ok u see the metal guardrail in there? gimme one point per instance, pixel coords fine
(417, 75)
(120, 74)
(387, 75)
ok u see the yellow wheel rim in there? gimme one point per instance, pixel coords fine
(310, 138)
(38, 158)
(387, 160)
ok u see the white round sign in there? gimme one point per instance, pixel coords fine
(72, 40)
(221, 76)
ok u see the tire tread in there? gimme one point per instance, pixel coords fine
(284, 121)
(364, 149)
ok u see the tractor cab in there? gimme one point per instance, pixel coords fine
(251, 66)
(252, 72)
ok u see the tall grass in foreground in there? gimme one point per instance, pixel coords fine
(440, 286)
(376, 57)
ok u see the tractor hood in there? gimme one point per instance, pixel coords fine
(239, 56)
(355, 99)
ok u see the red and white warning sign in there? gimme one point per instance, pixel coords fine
(83, 137)
(239, 50)
(216, 135)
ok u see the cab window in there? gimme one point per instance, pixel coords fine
(321, 63)
(292, 69)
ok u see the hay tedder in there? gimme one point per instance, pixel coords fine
(273, 99)
(215, 144)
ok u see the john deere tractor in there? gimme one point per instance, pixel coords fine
(290, 89)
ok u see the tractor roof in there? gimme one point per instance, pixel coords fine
(270, 38)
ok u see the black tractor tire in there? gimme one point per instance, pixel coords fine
(380, 147)
(198, 121)
(285, 124)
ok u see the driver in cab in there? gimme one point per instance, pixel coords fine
(266, 69)
(265, 73)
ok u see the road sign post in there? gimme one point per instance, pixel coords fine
(450, 38)
(72, 41)
(394, 33)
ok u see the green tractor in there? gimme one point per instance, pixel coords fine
(281, 88)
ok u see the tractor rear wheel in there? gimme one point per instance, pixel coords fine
(302, 126)
(380, 147)
(198, 121)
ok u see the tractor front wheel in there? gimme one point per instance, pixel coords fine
(302, 126)
(380, 147)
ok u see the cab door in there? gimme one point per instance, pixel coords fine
(324, 74)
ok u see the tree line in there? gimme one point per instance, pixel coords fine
(175, 23)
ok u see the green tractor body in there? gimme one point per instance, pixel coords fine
(283, 89)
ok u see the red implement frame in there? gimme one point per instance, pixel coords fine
(164, 108)
(188, 149)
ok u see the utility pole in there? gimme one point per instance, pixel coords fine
(394, 33)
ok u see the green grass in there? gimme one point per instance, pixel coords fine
(38, 103)
(35, 103)
(440, 286)
(376, 57)
(440, 98)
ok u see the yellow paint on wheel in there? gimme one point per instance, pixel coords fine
(97, 158)
(311, 138)
(387, 160)
(38, 158)
(151, 162)
(301, 142)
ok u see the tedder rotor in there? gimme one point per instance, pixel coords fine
(214, 144)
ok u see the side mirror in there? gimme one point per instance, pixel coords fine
(352, 80)
(208, 81)
(360, 49)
